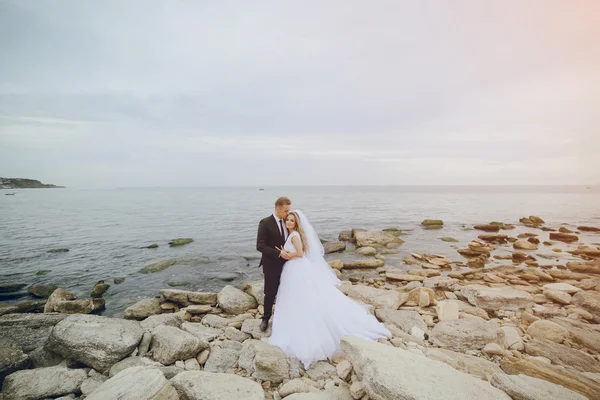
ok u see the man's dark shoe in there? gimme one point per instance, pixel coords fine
(264, 325)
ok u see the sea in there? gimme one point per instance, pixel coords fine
(107, 231)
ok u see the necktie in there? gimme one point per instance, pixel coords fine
(282, 229)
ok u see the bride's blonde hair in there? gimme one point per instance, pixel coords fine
(298, 228)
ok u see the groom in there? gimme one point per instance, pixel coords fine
(272, 234)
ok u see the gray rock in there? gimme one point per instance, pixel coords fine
(256, 289)
(171, 371)
(336, 393)
(466, 334)
(29, 330)
(321, 370)
(43, 291)
(144, 346)
(222, 357)
(12, 358)
(440, 283)
(170, 344)
(233, 301)
(370, 238)
(42, 358)
(186, 298)
(236, 334)
(25, 306)
(497, 298)
(512, 338)
(296, 386)
(49, 382)
(132, 362)
(563, 355)
(192, 365)
(479, 367)
(403, 319)
(334, 247)
(143, 309)
(192, 385)
(392, 373)
(91, 384)
(378, 297)
(164, 319)
(96, 341)
(523, 387)
(252, 327)
(134, 384)
(267, 362)
(204, 333)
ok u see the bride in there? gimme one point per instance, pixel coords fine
(312, 314)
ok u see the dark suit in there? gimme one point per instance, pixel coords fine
(267, 239)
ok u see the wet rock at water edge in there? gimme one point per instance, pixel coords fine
(180, 242)
(99, 289)
(58, 250)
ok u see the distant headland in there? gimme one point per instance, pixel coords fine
(22, 183)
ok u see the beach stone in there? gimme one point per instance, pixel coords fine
(363, 263)
(476, 366)
(321, 370)
(544, 329)
(393, 373)
(334, 247)
(524, 245)
(523, 387)
(186, 298)
(91, 384)
(30, 331)
(134, 384)
(512, 338)
(567, 378)
(493, 349)
(296, 386)
(488, 227)
(562, 287)
(563, 237)
(440, 283)
(336, 264)
(41, 358)
(49, 382)
(563, 355)
(447, 310)
(589, 300)
(96, 341)
(234, 301)
(204, 333)
(130, 362)
(432, 222)
(256, 289)
(558, 296)
(170, 344)
(223, 356)
(25, 306)
(163, 319)
(43, 291)
(12, 358)
(403, 319)
(366, 251)
(591, 267)
(267, 362)
(193, 385)
(235, 334)
(143, 309)
(497, 298)
(157, 267)
(422, 297)
(370, 238)
(378, 297)
(465, 334)
(344, 369)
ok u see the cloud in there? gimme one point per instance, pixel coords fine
(202, 93)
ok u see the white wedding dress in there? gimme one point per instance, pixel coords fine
(312, 315)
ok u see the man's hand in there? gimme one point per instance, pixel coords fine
(283, 254)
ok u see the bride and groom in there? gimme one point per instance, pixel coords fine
(312, 314)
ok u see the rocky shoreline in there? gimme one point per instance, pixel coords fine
(506, 321)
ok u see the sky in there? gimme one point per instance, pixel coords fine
(335, 92)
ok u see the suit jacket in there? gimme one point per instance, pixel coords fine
(267, 239)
